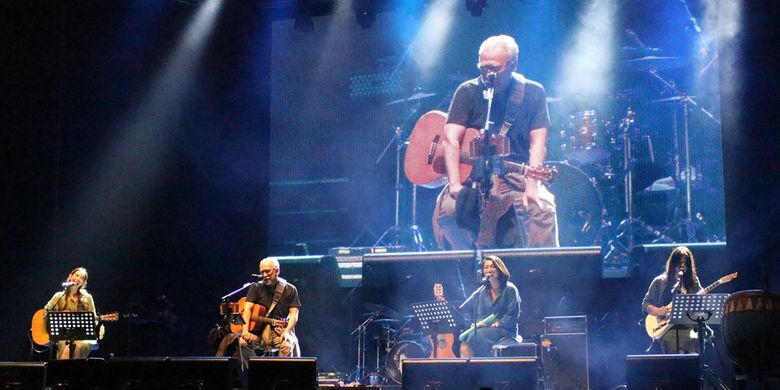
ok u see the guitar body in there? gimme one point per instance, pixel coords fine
(441, 343)
(39, 334)
(656, 327)
(258, 311)
(424, 159)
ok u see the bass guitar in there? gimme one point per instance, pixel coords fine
(424, 159)
(656, 327)
(441, 343)
(257, 317)
(38, 326)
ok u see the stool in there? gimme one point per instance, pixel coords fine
(514, 347)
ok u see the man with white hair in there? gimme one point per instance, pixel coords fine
(519, 111)
(270, 313)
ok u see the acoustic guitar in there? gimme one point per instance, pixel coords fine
(656, 327)
(441, 343)
(424, 159)
(38, 326)
(257, 317)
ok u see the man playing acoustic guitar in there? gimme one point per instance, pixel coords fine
(270, 313)
(519, 113)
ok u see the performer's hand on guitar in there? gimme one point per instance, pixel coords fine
(280, 323)
(658, 311)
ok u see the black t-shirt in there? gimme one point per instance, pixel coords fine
(264, 295)
(468, 108)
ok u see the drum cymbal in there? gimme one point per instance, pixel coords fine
(388, 321)
(673, 99)
(649, 63)
(416, 96)
(381, 309)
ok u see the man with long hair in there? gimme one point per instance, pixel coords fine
(679, 277)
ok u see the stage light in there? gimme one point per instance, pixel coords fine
(475, 7)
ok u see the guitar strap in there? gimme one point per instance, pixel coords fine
(277, 294)
(514, 103)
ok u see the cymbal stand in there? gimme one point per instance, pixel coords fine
(396, 231)
(361, 347)
(630, 225)
(685, 102)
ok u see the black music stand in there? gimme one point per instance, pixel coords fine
(437, 317)
(699, 310)
(71, 326)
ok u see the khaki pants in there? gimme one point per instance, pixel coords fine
(540, 226)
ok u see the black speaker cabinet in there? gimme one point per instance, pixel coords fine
(207, 373)
(469, 374)
(565, 353)
(22, 375)
(283, 373)
(76, 374)
(662, 372)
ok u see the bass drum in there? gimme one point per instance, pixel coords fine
(402, 350)
(579, 205)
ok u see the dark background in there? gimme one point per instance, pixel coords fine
(166, 248)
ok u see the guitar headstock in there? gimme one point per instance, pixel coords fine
(438, 291)
(109, 317)
(728, 278)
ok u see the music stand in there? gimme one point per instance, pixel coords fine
(71, 326)
(699, 310)
(437, 317)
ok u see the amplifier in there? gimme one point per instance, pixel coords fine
(565, 325)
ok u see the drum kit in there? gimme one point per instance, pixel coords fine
(602, 157)
(394, 337)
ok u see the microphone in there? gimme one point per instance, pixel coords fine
(258, 276)
(679, 279)
(489, 79)
(68, 284)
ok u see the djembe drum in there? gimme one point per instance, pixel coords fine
(751, 330)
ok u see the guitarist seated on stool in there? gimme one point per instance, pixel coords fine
(74, 298)
(497, 308)
(272, 327)
(679, 277)
(519, 110)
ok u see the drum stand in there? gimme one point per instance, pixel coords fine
(396, 232)
(630, 225)
(685, 224)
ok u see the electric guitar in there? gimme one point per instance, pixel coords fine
(656, 327)
(38, 326)
(257, 317)
(424, 159)
(441, 343)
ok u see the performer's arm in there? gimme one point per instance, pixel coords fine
(246, 315)
(453, 134)
(537, 154)
(511, 305)
(649, 303)
(292, 319)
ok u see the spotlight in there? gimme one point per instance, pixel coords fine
(476, 6)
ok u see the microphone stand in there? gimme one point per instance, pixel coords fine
(486, 165)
